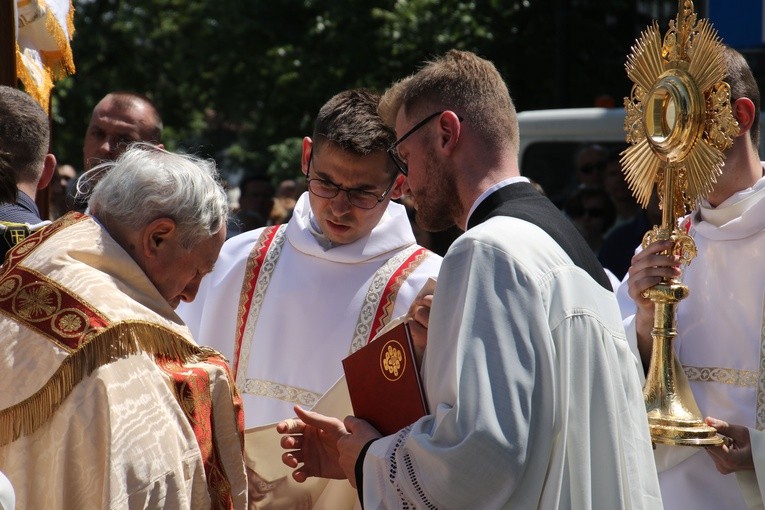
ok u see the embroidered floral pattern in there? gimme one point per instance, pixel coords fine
(8, 286)
(69, 323)
(44, 306)
(37, 302)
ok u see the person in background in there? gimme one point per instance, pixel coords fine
(321, 286)
(286, 197)
(534, 396)
(256, 199)
(615, 184)
(118, 120)
(58, 186)
(107, 400)
(24, 141)
(620, 243)
(720, 325)
(593, 213)
(589, 161)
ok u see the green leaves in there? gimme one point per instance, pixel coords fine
(248, 76)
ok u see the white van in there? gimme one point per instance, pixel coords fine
(549, 139)
(571, 125)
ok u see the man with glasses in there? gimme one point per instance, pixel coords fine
(589, 162)
(534, 392)
(287, 303)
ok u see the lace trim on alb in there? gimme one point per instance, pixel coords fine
(410, 472)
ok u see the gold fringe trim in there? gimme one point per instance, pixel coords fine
(55, 64)
(61, 62)
(40, 92)
(116, 342)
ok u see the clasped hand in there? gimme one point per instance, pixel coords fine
(323, 446)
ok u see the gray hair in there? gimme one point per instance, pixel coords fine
(146, 183)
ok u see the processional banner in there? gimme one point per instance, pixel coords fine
(44, 29)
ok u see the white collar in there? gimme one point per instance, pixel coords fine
(733, 206)
(490, 190)
(739, 216)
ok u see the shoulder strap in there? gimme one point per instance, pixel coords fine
(377, 309)
(257, 276)
(193, 385)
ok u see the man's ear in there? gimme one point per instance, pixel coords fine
(449, 128)
(400, 188)
(743, 110)
(49, 169)
(155, 236)
(306, 156)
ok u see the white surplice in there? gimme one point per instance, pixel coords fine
(308, 314)
(532, 389)
(720, 345)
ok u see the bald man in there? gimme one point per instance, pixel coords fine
(119, 119)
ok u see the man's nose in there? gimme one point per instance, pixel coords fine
(190, 291)
(110, 148)
(340, 204)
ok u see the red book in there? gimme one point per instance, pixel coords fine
(384, 382)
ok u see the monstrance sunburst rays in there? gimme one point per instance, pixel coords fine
(678, 113)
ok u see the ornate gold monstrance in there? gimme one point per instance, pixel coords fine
(678, 122)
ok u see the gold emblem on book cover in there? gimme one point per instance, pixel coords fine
(392, 360)
(678, 122)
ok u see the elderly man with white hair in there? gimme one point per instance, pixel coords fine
(106, 401)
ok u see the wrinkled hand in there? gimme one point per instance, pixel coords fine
(419, 311)
(350, 445)
(737, 456)
(313, 440)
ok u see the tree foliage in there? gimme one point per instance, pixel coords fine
(241, 80)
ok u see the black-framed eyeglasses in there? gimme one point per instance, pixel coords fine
(356, 197)
(392, 150)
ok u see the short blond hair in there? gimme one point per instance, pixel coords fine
(465, 83)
